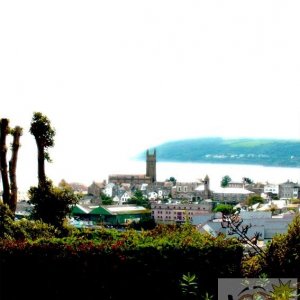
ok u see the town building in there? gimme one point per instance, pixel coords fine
(289, 190)
(271, 189)
(172, 213)
(96, 188)
(134, 179)
(230, 195)
(110, 214)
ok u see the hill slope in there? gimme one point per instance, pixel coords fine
(268, 152)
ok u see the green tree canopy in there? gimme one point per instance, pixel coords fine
(247, 180)
(106, 200)
(51, 204)
(139, 199)
(253, 199)
(225, 181)
(224, 208)
(44, 134)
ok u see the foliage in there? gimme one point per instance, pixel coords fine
(6, 220)
(224, 208)
(43, 132)
(234, 225)
(295, 201)
(247, 180)
(189, 286)
(51, 204)
(225, 181)
(109, 258)
(139, 199)
(252, 266)
(32, 230)
(22, 229)
(283, 253)
(253, 199)
(146, 223)
(172, 179)
(106, 200)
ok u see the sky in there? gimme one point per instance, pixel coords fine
(117, 77)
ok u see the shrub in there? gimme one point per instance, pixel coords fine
(283, 253)
(6, 221)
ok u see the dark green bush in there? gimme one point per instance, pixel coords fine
(107, 264)
(283, 254)
(6, 221)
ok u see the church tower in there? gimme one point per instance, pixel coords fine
(151, 165)
(207, 193)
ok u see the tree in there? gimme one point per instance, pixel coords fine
(44, 136)
(3, 161)
(172, 179)
(225, 181)
(224, 209)
(106, 200)
(51, 204)
(247, 180)
(10, 189)
(253, 199)
(139, 199)
(16, 132)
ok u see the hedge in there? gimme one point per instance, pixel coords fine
(112, 265)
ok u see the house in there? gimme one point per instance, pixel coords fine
(289, 190)
(236, 184)
(230, 195)
(109, 189)
(271, 189)
(184, 190)
(118, 214)
(172, 213)
(96, 188)
(122, 197)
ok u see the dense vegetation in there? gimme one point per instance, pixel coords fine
(108, 264)
(148, 264)
(268, 152)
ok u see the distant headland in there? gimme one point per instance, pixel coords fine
(250, 151)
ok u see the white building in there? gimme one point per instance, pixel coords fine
(171, 213)
(108, 190)
(228, 194)
(271, 188)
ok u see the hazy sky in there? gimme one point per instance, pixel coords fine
(116, 77)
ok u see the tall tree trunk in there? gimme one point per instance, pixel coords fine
(41, 165)
(13, 167)
(3, 162)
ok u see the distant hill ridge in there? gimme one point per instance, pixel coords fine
(266, 152)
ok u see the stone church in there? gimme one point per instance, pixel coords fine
(149, 177)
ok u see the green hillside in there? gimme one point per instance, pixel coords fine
(267, 152)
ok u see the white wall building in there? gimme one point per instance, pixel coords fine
(171, 213)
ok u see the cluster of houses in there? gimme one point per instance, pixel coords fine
(172, 202)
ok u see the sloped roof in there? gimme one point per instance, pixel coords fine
(79, 209)
(228, 190)
(118, 210)
(100, 210)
